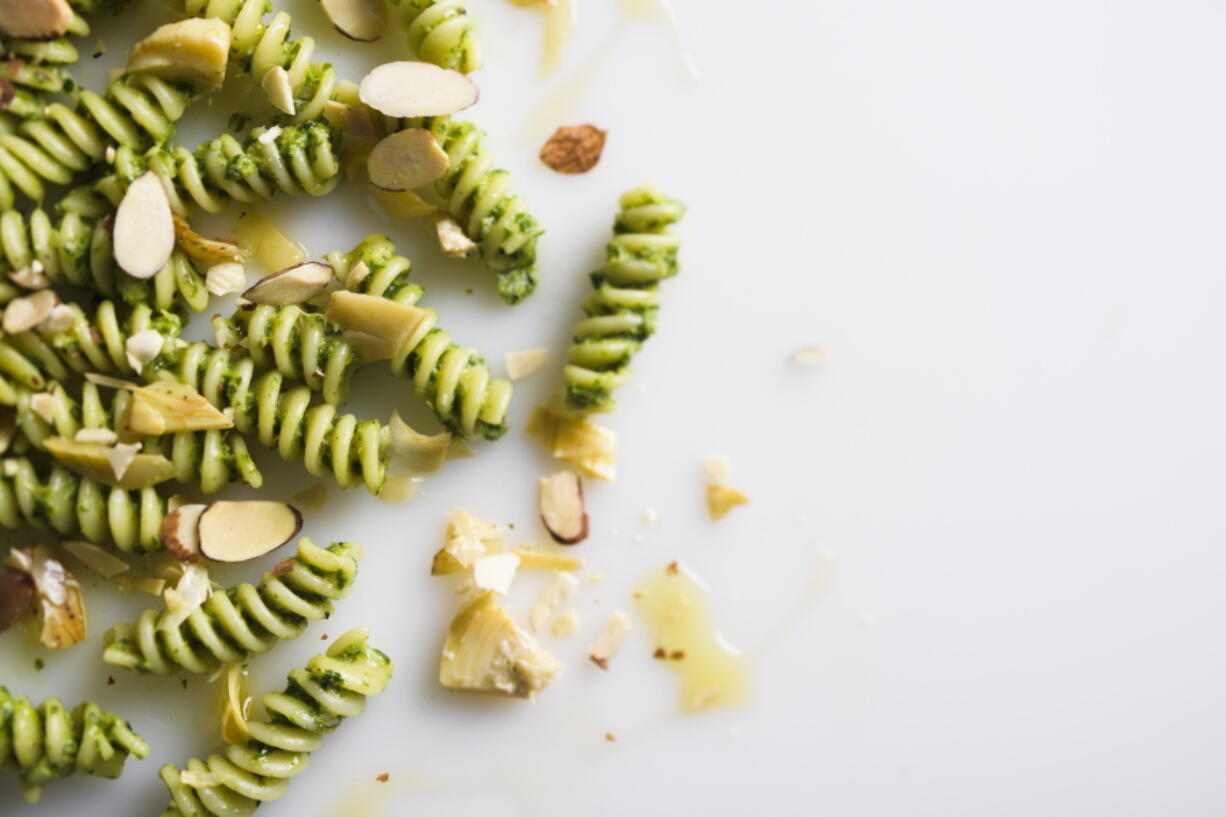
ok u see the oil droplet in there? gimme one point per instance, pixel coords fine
(713, 673)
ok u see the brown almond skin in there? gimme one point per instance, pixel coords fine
(16, 593)
(183, 551)
(561, 537)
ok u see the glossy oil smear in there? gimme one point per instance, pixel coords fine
(675, 603)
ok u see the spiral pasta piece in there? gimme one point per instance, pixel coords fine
(211, 459)
(299, 344)
(260, 48)
(453, 380)
(62, 143)
(76, 507)
(77, 252)
(621, 311)
(32, 359)
(332, 687)
(239, 622)
(441, 32)
(47, 742)
(327, 442)
(295, 159)
(39, 64)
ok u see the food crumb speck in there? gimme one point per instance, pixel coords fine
(110, 681)
(383, 778)
(672, 569)
(659, 653)
(38, 665)
(610, 737)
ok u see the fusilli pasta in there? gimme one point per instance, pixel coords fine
(331, 687)
(46, 742)
(241, 621)
(621, 311)
(441, 32)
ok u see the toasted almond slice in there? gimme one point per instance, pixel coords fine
(361, 20)
(393, 323)
(208, 251)
(275, 83)
(180, 532)
(521, 364)
(451, 237)
(495, 572)
(406, 160)
(239, 531)
(31, 277)
(143, 347)
(417, 89)
(226, 278)
(562, 511)
(144, 230)
(295, 285)
(35, 19)
(23, 314)
(610, 640)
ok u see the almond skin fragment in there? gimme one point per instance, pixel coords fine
(574, 149)
(144, 229)
(34, 19)
(16, 593)
(180, 532)
(361, 20)
(239, 531)
(406, 160)
(294, 285)
(417, 89)
(562, 510)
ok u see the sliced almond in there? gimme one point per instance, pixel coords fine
(394, 324)
(239, 531)
(295, 285)
(361, 20)
(121, 456)
(406, 160)
(180, 532)
(194, 51)
(521, 364)
(610, 640)
(495, 572)
(16, 595)
(207, 251)
(23, 314)
(451, 237)
(105, 564)
(144, 230)
(225, 279)
(575, 149)
(168, 408)
(35, 19)
(562, 511)
(143, 347)
(275, 83)
(31, 277)
(61, 318)
(417, 89)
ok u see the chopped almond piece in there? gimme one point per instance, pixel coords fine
(611, 639)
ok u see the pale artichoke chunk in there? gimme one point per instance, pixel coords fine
(194, 51)
(116, 465)
(486, 652)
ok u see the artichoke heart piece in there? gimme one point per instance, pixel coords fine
(115, 465)
(167, 408)
(486, 652)
(194, 51)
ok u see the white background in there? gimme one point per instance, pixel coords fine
(1003, 222)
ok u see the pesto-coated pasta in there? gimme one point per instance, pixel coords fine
(259, 48)
(327, 442)
(32, 359)
(453, 380)
(241, 621)
(297, 343)
(39, 64)
(63, 143)
(441, 32)
(76, 507)
(621, 311)
(331, 687)
(77, 252)
(295, 159)
(211, 459)
(47, 742)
